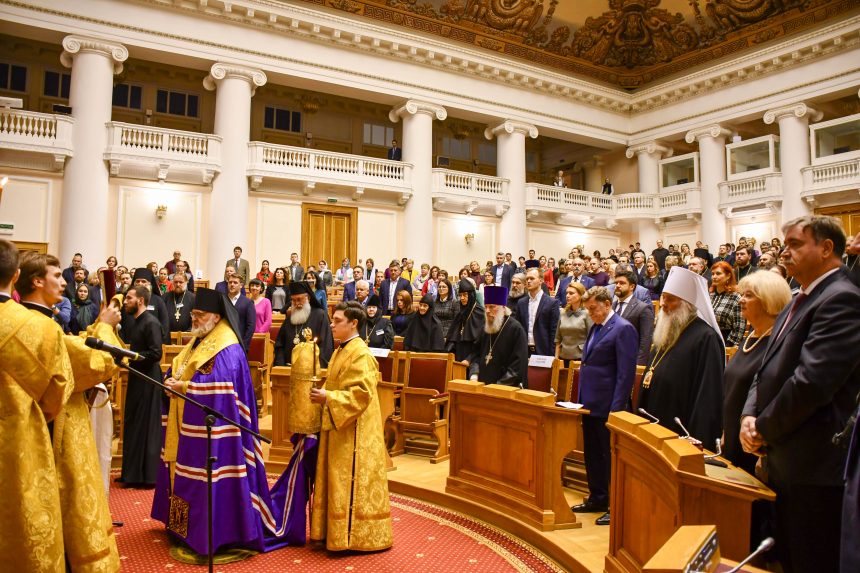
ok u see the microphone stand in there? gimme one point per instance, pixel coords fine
(211, 416)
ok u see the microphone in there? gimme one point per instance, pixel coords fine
(654, 419)
(114, 351)
(765, 545)
(687, 435)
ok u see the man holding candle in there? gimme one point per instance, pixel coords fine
(305, 312)
(350, 510)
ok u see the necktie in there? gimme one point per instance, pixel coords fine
(798, 300)
(595, 334)
(620, 310)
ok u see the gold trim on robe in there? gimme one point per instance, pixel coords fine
(351, 508)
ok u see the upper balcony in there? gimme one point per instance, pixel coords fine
(155, 153)
(312, 167)
(572, 206)
(834, 176)
(461, 192)
(32, 140)
(754, 180)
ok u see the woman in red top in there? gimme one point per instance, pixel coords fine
(265, 275)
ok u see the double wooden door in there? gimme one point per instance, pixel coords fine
(329, 233)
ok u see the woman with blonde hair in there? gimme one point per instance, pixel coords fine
(573, 325)
(762, 296)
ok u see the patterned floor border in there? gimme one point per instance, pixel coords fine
(522, 556)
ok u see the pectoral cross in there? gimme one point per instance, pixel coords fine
(177, 314)
(489, 357)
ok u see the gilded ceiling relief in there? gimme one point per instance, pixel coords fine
(624, 42)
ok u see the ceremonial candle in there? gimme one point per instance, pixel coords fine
(315, 358)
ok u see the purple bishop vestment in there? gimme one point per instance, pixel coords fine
(246, 513)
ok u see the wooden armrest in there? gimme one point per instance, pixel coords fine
(440, 399)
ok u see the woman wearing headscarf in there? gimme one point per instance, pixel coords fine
(424, 333)
(468, 326)
(84, 310)
(377, 331)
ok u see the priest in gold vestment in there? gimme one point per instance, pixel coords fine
(35, 382)
(88, 537)
(350, 506)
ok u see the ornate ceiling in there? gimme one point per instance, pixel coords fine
(626, 43)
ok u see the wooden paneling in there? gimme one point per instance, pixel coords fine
(848, 214)
(329, 233)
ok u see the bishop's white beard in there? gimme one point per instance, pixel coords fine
(300, 315)
(670, 325)
(204, 328)
(496, 325)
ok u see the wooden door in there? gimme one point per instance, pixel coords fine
(329, 233)
(848, 214)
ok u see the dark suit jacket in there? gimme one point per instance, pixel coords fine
(69, 275)
(395, 154)
(507, 274)
(546, 322)
(385, 293)
(608, 367)
(561, 289)
(243, 269)
(805, 388)
(297, 273)
(247, 319)
(222, 287)
(641, 316)
(349, 291)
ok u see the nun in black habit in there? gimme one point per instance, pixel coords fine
(305, 311)
(468, 326)
(377, 332)
(424, 333)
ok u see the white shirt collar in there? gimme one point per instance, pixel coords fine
(625, 300)
(808, 290)
(608, 316)
(234, 299)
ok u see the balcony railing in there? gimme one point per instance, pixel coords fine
(162, 153)
(40, 133)
(827, 178)
(759, 190)
(310, 166)
(459, 191)
(561, 201)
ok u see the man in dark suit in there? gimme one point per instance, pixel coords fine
(574, 272)
(77, 263)
(223, 286)
(502, 271)
(297, 273)
(698, 266)
(395, 153)
(245, 308)
(639, 314)
(389, 288)
(79, 278)
(349, 292)
(803, 393)
(538, 314)
(639, 266)
(606, 378)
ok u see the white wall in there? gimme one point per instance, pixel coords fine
(279, 232)
(451, 251)
(379, 236)
(677, 234)
(556, 241)
(142, 237)
(762, 228)
(32, 205)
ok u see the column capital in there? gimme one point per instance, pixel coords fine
(414, 107)
(74, 44)
(713, 131)
(798, 110)
(511, 126)
(221, 70)
(649, 147)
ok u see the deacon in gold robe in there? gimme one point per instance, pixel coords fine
(35, 382)
(88, 535)
(350, 506)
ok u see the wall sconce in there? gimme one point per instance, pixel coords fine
(469, 238)
(161, 211)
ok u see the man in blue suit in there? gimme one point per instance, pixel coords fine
(389, 288)
(639, 293)
(605, 381)
(245, 308)
(538, 313)
(575, 273)
(349, 288)
(502, 272)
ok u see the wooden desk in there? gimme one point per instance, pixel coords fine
(659, 483)
(507, 447)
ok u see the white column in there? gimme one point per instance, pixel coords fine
(228, 207)
(418, 150)
(648, 156)
(712, 172)
(594, 175)
(794, 153)
(86, 182)
(511, 165)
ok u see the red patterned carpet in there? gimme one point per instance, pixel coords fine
(427, 538)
